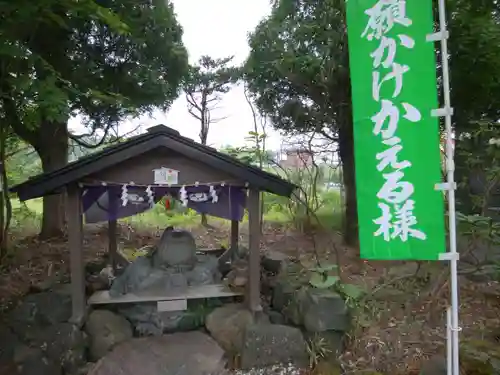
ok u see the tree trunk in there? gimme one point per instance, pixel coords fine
(53, 153)
(346, 153)
(203, 139)
(3, 232)
(204, 220)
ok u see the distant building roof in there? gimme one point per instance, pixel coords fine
(298, 150)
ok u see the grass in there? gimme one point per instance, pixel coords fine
(277, 210)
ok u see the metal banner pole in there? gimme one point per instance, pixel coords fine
(449, 349)
(450, 166)
(452, 256)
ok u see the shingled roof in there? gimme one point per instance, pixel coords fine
(159, 136)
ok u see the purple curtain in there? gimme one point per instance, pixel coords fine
(104, 202)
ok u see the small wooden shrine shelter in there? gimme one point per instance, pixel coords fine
(130, 177)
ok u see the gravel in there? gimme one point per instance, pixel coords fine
(273, 370)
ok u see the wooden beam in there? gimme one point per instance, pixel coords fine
(253, 290)
(235, 235)
(113, 244)
(156, 294)
(75, 243)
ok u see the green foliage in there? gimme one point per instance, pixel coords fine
(474, 48)
(298, 70)
(317, 349)
(204, 86)
(22, 162)
(248, 154)
(25, 217)
(112, 59)
(321, 281)
(197, 313)
(322, 277)
(479, 231)
(327, 216)
(351, 292)
(311, 202)
(479, 149)
(479, 357)
(478, 227)
(325, 276)
(298, 65)
(103, 60)
(212, 76)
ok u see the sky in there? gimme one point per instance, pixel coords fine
(217, 28)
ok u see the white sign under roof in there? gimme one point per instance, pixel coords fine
(166, 176)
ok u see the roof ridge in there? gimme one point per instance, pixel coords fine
(157, 136)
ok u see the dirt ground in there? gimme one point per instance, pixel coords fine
(406, 310)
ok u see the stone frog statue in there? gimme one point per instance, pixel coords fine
(171, 263)
(176, 248)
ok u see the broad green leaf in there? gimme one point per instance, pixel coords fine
(321, 282)
(324, 268)
(351, 291)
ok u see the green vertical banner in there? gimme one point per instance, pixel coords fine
(397, 155)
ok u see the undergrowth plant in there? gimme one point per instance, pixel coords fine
(317, 350)
(325, 277)
(481, 151)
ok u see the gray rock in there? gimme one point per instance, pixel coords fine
(175, 279)
(272, 260)
(63, 343)
(171, 321)
(64, 289)
(40, 310)
(132, 277)
(205, 272)
(24, 352)
(276, 317)
(34, 361)
(148, 321)
(153, 272)
(37, 364)
(238, 276)
(323, 310)
(83, 370)
(269, 344)
(9, 343)
(225, 262)
(283, 294)
(173, 264)
(226, 325)
(49, 282)
(196, 314)
(186, 353)
(95, 267)
(434, 366)
(8, 368)
(176, 247)
(241, 252)
(106, 330)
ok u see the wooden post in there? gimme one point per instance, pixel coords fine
(235, 226)
(75, 243)
(112, 243)
(253, 291)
